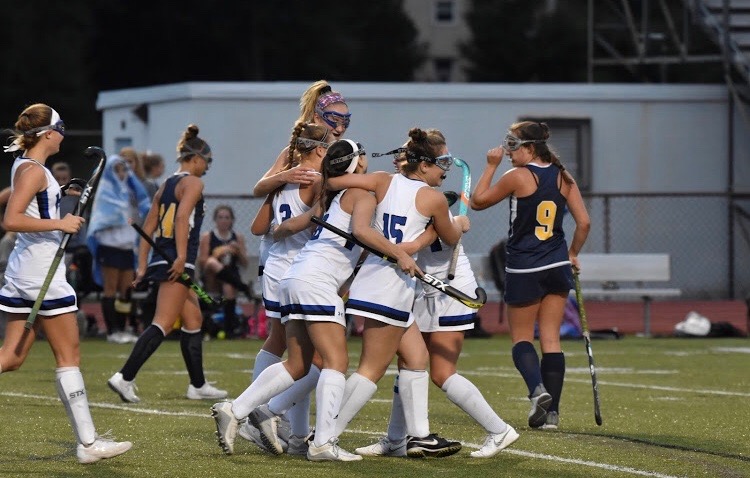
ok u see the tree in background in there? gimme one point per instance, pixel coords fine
(146, 42)
(521, 41)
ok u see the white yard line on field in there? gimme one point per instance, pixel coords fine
(541, 456)
(700, 391)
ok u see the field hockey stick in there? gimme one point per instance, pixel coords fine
(473, 302)
(587, 339)
(463, 208)
(184, 277)
(93, 152)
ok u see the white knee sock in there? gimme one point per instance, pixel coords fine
(295, 402)
(412, 387)
(357, 392)
(397, 422)
(72, 392)
(469, 399)
(272, 381)
(328, 395)
(263, 360)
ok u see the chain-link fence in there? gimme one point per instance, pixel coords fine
(706, 235)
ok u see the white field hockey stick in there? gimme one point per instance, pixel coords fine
(93, 152)
(587, 340)
(184, 277)
(473, 302)
(463, 208)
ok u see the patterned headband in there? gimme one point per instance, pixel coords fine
(329, 99)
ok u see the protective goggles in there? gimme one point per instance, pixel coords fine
(58, 126)
(511, 143)
(334, 119)
(348, 157)
(311, 143)
(443, 162)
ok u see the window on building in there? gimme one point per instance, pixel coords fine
(443, 69)
(570, 138)
(445, 11)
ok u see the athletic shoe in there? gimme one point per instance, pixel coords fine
(207, 391)
(226, 425)
(252, 434)
(495, 443)
(101, 448)
(540, 401)
(298, 444)
(431, 446)
(267, 424)
(552, 422)
(125, 389)
(330, 451)
(384, 447)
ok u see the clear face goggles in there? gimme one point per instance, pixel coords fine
(512, 143)
(58, 126)
(308, 143)
(443, 162)
(334, 119)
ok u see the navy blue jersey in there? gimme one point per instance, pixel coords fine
(214, 241)
(168, 205)
(536, 240)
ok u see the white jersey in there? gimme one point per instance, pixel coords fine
(286, 204)
(32, 257)
(381, 291)
(435, 259)
(34, 251)
(309, 288)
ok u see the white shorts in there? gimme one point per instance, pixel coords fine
(271, 297)
(301, 300)
(382, 293)
(438, 312)
(18, 296)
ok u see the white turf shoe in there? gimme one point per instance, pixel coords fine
(267, 424)
(101, 448)
(384, 447)
(495, 443)
(126, 390)
(330, 451)
(207, 391)
(226, 425)
(252, 434)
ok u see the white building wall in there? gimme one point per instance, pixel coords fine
(645, 138)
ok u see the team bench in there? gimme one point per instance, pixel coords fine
(606, 276)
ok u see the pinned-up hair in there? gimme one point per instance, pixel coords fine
(538, 131)
(191, 145)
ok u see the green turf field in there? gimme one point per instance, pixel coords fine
(671, 407)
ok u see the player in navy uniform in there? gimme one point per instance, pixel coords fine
(33, 211)
(221, 253)
(538, 273)
(176, 216)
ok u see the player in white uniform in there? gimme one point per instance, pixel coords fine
(383, 295)
(442, 321)
(313, 312)
(33, 212)
(292, 207)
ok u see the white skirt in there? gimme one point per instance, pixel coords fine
(18, 296)
(301, 300)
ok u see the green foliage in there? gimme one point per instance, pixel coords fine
(671, 407)
(519, 41)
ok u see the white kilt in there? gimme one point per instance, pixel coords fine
(18, 296)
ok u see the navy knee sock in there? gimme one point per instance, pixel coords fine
(527, 362)
(191, 344)
(553, 375)
(146, 345)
